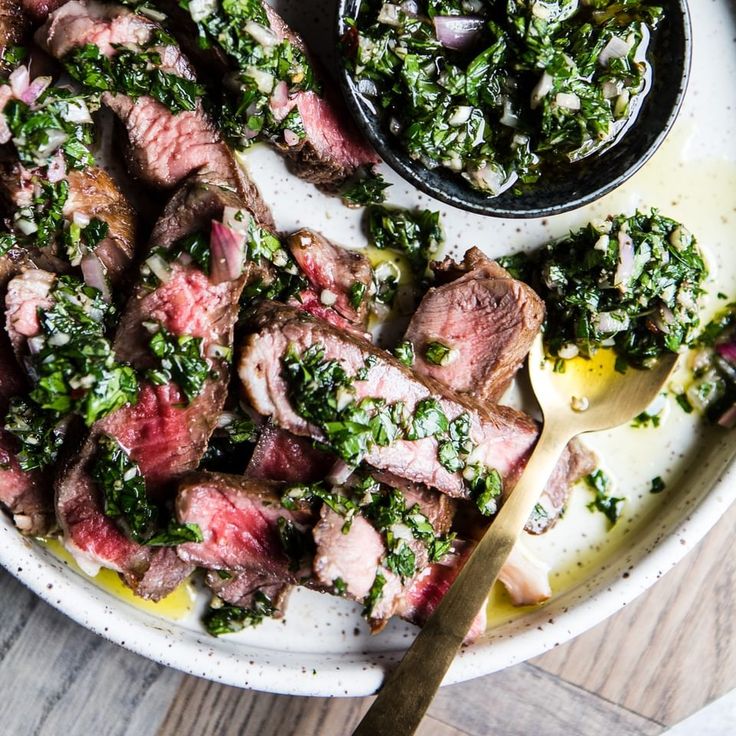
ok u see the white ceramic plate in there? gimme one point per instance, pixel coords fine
(322, 646)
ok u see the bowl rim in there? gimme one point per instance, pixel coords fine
(412, 174)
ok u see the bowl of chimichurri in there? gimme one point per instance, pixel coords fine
(515, 108)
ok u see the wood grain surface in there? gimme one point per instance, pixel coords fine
(660, 659)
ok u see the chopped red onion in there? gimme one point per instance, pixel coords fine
(95, 275)
(339, 473)
(609, 322)
(728, 418)
(55, 139)
(279, 103)
(264, 36)
(19, 81)
(541, 90)
(228, 249)
(57, 168)
(457, 32)
(291, 138)
(616, 48)
(625, 267)
(410, 7)
(727, 350)
(35, 89)
(567, 100)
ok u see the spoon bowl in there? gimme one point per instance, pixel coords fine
(598, 398)
(612, 399)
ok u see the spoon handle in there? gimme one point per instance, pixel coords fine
(409, 690)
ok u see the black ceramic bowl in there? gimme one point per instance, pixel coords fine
(586, 180)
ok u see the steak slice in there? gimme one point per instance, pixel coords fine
(332, 150)
(26, 294)
(281, 456)
(165, 436)
(165, 147)
(487, 318)
(27, 495)
(429, 587)
(92, 194)
(342, 278)
(503, 436)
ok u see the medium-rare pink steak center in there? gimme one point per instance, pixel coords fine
(503, 438)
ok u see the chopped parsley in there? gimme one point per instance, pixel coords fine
(39, 433)
(356, 294)
(58, 121)
(404, 353)
(534, 87)
(417, 234)
(657, 486)
(180, 361)
(124, 498)
(135, 73)
(629, 283)
(439, 353)
(123, 489)
(610, 506)
(223, 618)
(647, 420)
(75, 369)
(369, 189)
(176, 534)
(316, 492)
(388, 512)
(374, 595)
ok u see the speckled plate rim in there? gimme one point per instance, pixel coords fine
(708, 491)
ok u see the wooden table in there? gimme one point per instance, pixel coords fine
(662, 658)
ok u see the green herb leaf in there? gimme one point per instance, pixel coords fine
(180, 361)
(227, 619)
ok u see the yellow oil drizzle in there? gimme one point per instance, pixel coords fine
(175, 606)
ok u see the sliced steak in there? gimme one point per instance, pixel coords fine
(341, 277)
(165, 436)
(503, 436)
(309, 301)
(351, 556)
(92, 194)
(430, 586)
(239, 588)
(332, 149)
(26, 495)
(487, 319)
(281, 456)
(27, 293)
(165, 147)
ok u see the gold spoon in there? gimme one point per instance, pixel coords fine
(570, 407)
